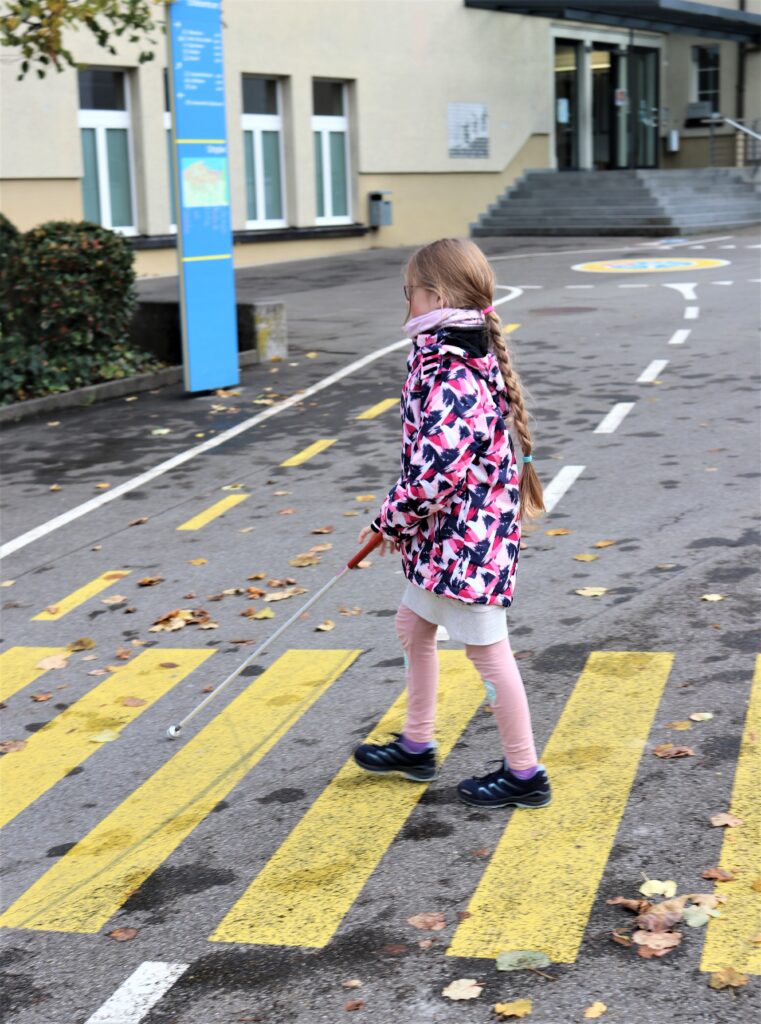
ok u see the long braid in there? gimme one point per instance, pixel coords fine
(531, 494)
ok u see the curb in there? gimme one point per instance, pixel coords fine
(83, 398)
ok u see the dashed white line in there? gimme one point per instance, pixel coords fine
(577, 286)
(697, 247)
(559, 484)
(686, 289)
(722, 282)
(634, 286)
(753, 246)
(727, 246)
(652, 372)
(691, 312)
(614, 417)
(679, 337)
(138, 994)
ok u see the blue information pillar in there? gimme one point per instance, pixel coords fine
(202, 186)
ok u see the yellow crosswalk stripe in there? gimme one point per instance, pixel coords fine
(58, 609)
(538, 888)
(67, 740)
(309, 452)
(729, 939)
(18, 667)
(306, 888)
(89, 884)
(213, 511)
(379, 409)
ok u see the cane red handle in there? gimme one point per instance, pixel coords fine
(371, 545)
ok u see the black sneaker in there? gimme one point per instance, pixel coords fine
(384, 758)
(503, 789)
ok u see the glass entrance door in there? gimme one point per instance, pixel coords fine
(644, 107)
(601, 60)
(566, 105)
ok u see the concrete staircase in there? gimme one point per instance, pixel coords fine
(678, 202)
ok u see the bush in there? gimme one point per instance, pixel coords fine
(67, 294)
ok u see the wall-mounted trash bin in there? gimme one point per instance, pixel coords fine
(379, 209)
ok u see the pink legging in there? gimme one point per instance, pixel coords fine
(498, 670)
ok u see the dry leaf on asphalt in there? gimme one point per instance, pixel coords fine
(592, 591)
(11, 746)
(299, 561)
(521, 960)
(597, 1009)
(104, 736)
(668, 750)
(707, 900)
(712, 597)
(719, 874)
(198, 561)
(320, 547)
(603, 543)
(680, 726)
(351, 513)
(55, 487)
(659, 942)
(431, 921)
(325, 627)
(638, 906)
(282, 595)
(85, 643)
(323, 529)
(40, 698)
(257, 576)
(102, 487)
(518, 1008)
(354, 1004)
(280, 583)
(150, 581)
(133, 702)
(123, 934)
(344, 610)
(585, 558)
(659, 917)
(286, 511)
(123, 653)
(365, 497)
(139, 521)
(654, 887)
(352, 983)
(265, 613)
(426, 943)
(254, 592)
(7, 583)
(463, 988)
(701, 716)
(725, 818)
(727, 977)
(169, 664)
(114, 599)
(559, 531)
(364, 564)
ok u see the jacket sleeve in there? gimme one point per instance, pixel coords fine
(453, 430)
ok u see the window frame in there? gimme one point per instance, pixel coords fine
(714, 96)
(100, 121)
(256, 124)
(324, 124)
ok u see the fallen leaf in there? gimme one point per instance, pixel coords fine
(668, 750)
(659, 917)
(712, 597)
(323, 529)
(299, 561)
(585, 558)
(680, 726)
(281, 494)
(320, 547)
(518, 1008)
(725, 818)
(351, 513)
(7, 583)
(104, 736)
(463, 915)
(98, 672)
(621, 938)
(364, 564)
(354, 1004)
(254, 592)
(325, 627)
(89, 657)
(727, 977)
(169, 664)
(350, 611)
(395, 948)
(198, 561)
(592, 591)
(604, 543)
(123, 653)
(352, 983)
(85, 643)
(40, 698)
(265, 613)
(123, 934)
(257, 576)
(559, 531)
(638, 906)
(482, 851)
(11, 746)
(654, 887)
(102, 487)
(286, 511)
(463, 988)
(707, 900)
(701, 716)
(594, 1011)
(432, 921)
(666, 565)
(521, 960)
(695, 917)
(133, 702)
(233, 487)
(657, 940)
(115, 575)
(365, 497)
(282, 595)
(150, 581)
(246, 529)
(55, 487)
(160, 431)
(52, 609)
(114, 599)
(311, 355)
(54, 423)
(719, 874)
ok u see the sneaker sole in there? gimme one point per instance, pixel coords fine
(397, 771)
(507, 803)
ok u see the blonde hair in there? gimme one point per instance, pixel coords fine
(459, 273)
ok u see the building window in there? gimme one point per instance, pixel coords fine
(706, 75)
(330, 126)
(263, 152)
(104, 123)
(168, 134)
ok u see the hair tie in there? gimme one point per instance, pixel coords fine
(489, 309)
(528, 458)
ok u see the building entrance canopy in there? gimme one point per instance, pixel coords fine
(684, 16)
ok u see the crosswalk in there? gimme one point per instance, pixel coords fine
(533, 894)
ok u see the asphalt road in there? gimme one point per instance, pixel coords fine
(258, 870)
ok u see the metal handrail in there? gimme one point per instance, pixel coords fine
(735, 124)
(747, 153)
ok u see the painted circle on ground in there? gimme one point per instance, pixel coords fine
(648, 265)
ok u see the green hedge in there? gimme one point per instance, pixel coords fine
(67, 297)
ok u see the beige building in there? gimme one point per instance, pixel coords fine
(437, 104)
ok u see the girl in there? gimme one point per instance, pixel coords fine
(455, 514)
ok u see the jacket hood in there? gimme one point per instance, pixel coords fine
(471, 346)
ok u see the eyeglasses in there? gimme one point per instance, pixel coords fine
(409, 289)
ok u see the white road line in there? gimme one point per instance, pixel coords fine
(614, 417)
(138, 994)
(634, 286)
(679, 337)
(686, 289)
(753, 246)
(568, 252)
(652, 372)
(727, 246)
(722, 282)
(754, 280)
(559, 484)
(530, 287)
(693, 243)
(691, 312)
(697, 247)
(579, 286)
(190, 453)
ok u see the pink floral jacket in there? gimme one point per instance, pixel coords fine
(455, 507)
